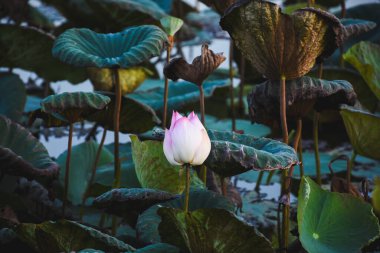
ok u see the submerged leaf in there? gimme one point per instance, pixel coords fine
(82, 47)
(210, 230)
(196, 72)
(281, 45)
(13, 99)
(333, 222)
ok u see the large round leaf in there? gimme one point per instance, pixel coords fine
(81, 164)
(210, 230)
(365, 57)
(148, 221)
(13, 96)
(21, 154)
(333, 222)
(29, 49)
(154, 171)
(302, 95)
(67, 236)
(281, 45)
(135, 117)
(74, 106)
(154, 248)
(122, 200)
(233, 154)
(82, 47)
(363, 129)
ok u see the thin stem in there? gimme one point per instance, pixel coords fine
(67, 172)
(241, 84)
(343, 12)
(284, 125)
(187, 187)
(297, 138)
(166, 92)
(203, 174)
(316, 147)
(300, 156)
(116, 126)
(320, 70)
(231, 72)
(202, 103)
(269, 178)
(258, 182)
(350, 167)
(93, 172)
(223, 186)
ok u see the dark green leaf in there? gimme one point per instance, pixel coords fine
(14, 96)
(210, 230)
(32, 103)
(333, 222)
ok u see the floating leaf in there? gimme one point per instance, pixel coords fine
(171, 24)
(233, 154)
(21, 154)
(365, 57)
(67, 236)
(123, 200)
(333, 222)
(29, 49)
(130, 79)
(148, 221)
(278, 44)
(74, 106)
(154, 171)
(81, 164)
(210, 230)
(82, 47)
(14, 96)
(363, 129)
(302, 95)
(135, 117)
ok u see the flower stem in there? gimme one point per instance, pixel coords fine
(300, 157)
(116, 126)
(241, 85)
(166, 92)
(187, 187)
(316, 147)
(350, 167)
(231, 73)
(223, 186)
(67, 172)
(284, 125)
(202, 103)
(93, 172)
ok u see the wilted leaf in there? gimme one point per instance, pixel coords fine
(14, 96)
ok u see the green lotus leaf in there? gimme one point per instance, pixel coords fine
(154, 171)
(14, 96)
(32, 103)
(363, 92)
(210, 230)
(135, 117)
(171, 24)
(365, 57)
(333, 222)
(166, 5)
(74, 106)
(123, 200)
(280, 45)
(81, 164)
(82, 47)
(29, 49)
(363, 130)
(154, 248)
(148, 221)
(303, 95)
(233, 154)
(130, 79)
(67, 236)
(21, 154)
(208, 21)
(180, 94)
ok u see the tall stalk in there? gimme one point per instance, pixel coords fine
(300, 157)
(315, 134)
(350, 167)
(284, 125)
(259, 179)
(231, 73)
(67, 172)
(223, 186)
(166, 92)
(241, 84)
(93, 172)
(116, 121)
(202, 103)
(187, 187)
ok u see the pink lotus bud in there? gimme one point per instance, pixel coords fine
(186, 141)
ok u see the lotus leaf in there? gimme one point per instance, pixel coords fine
(154, 171)
(302, 95)
(148, 221)
(233, 154)
(21, 154)
(121, 201)
(82, 47)
(365, 57)
(363, 129)
(35, 46)
(210, 230)
(333, 222)
(12, 105)
(280, 45)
